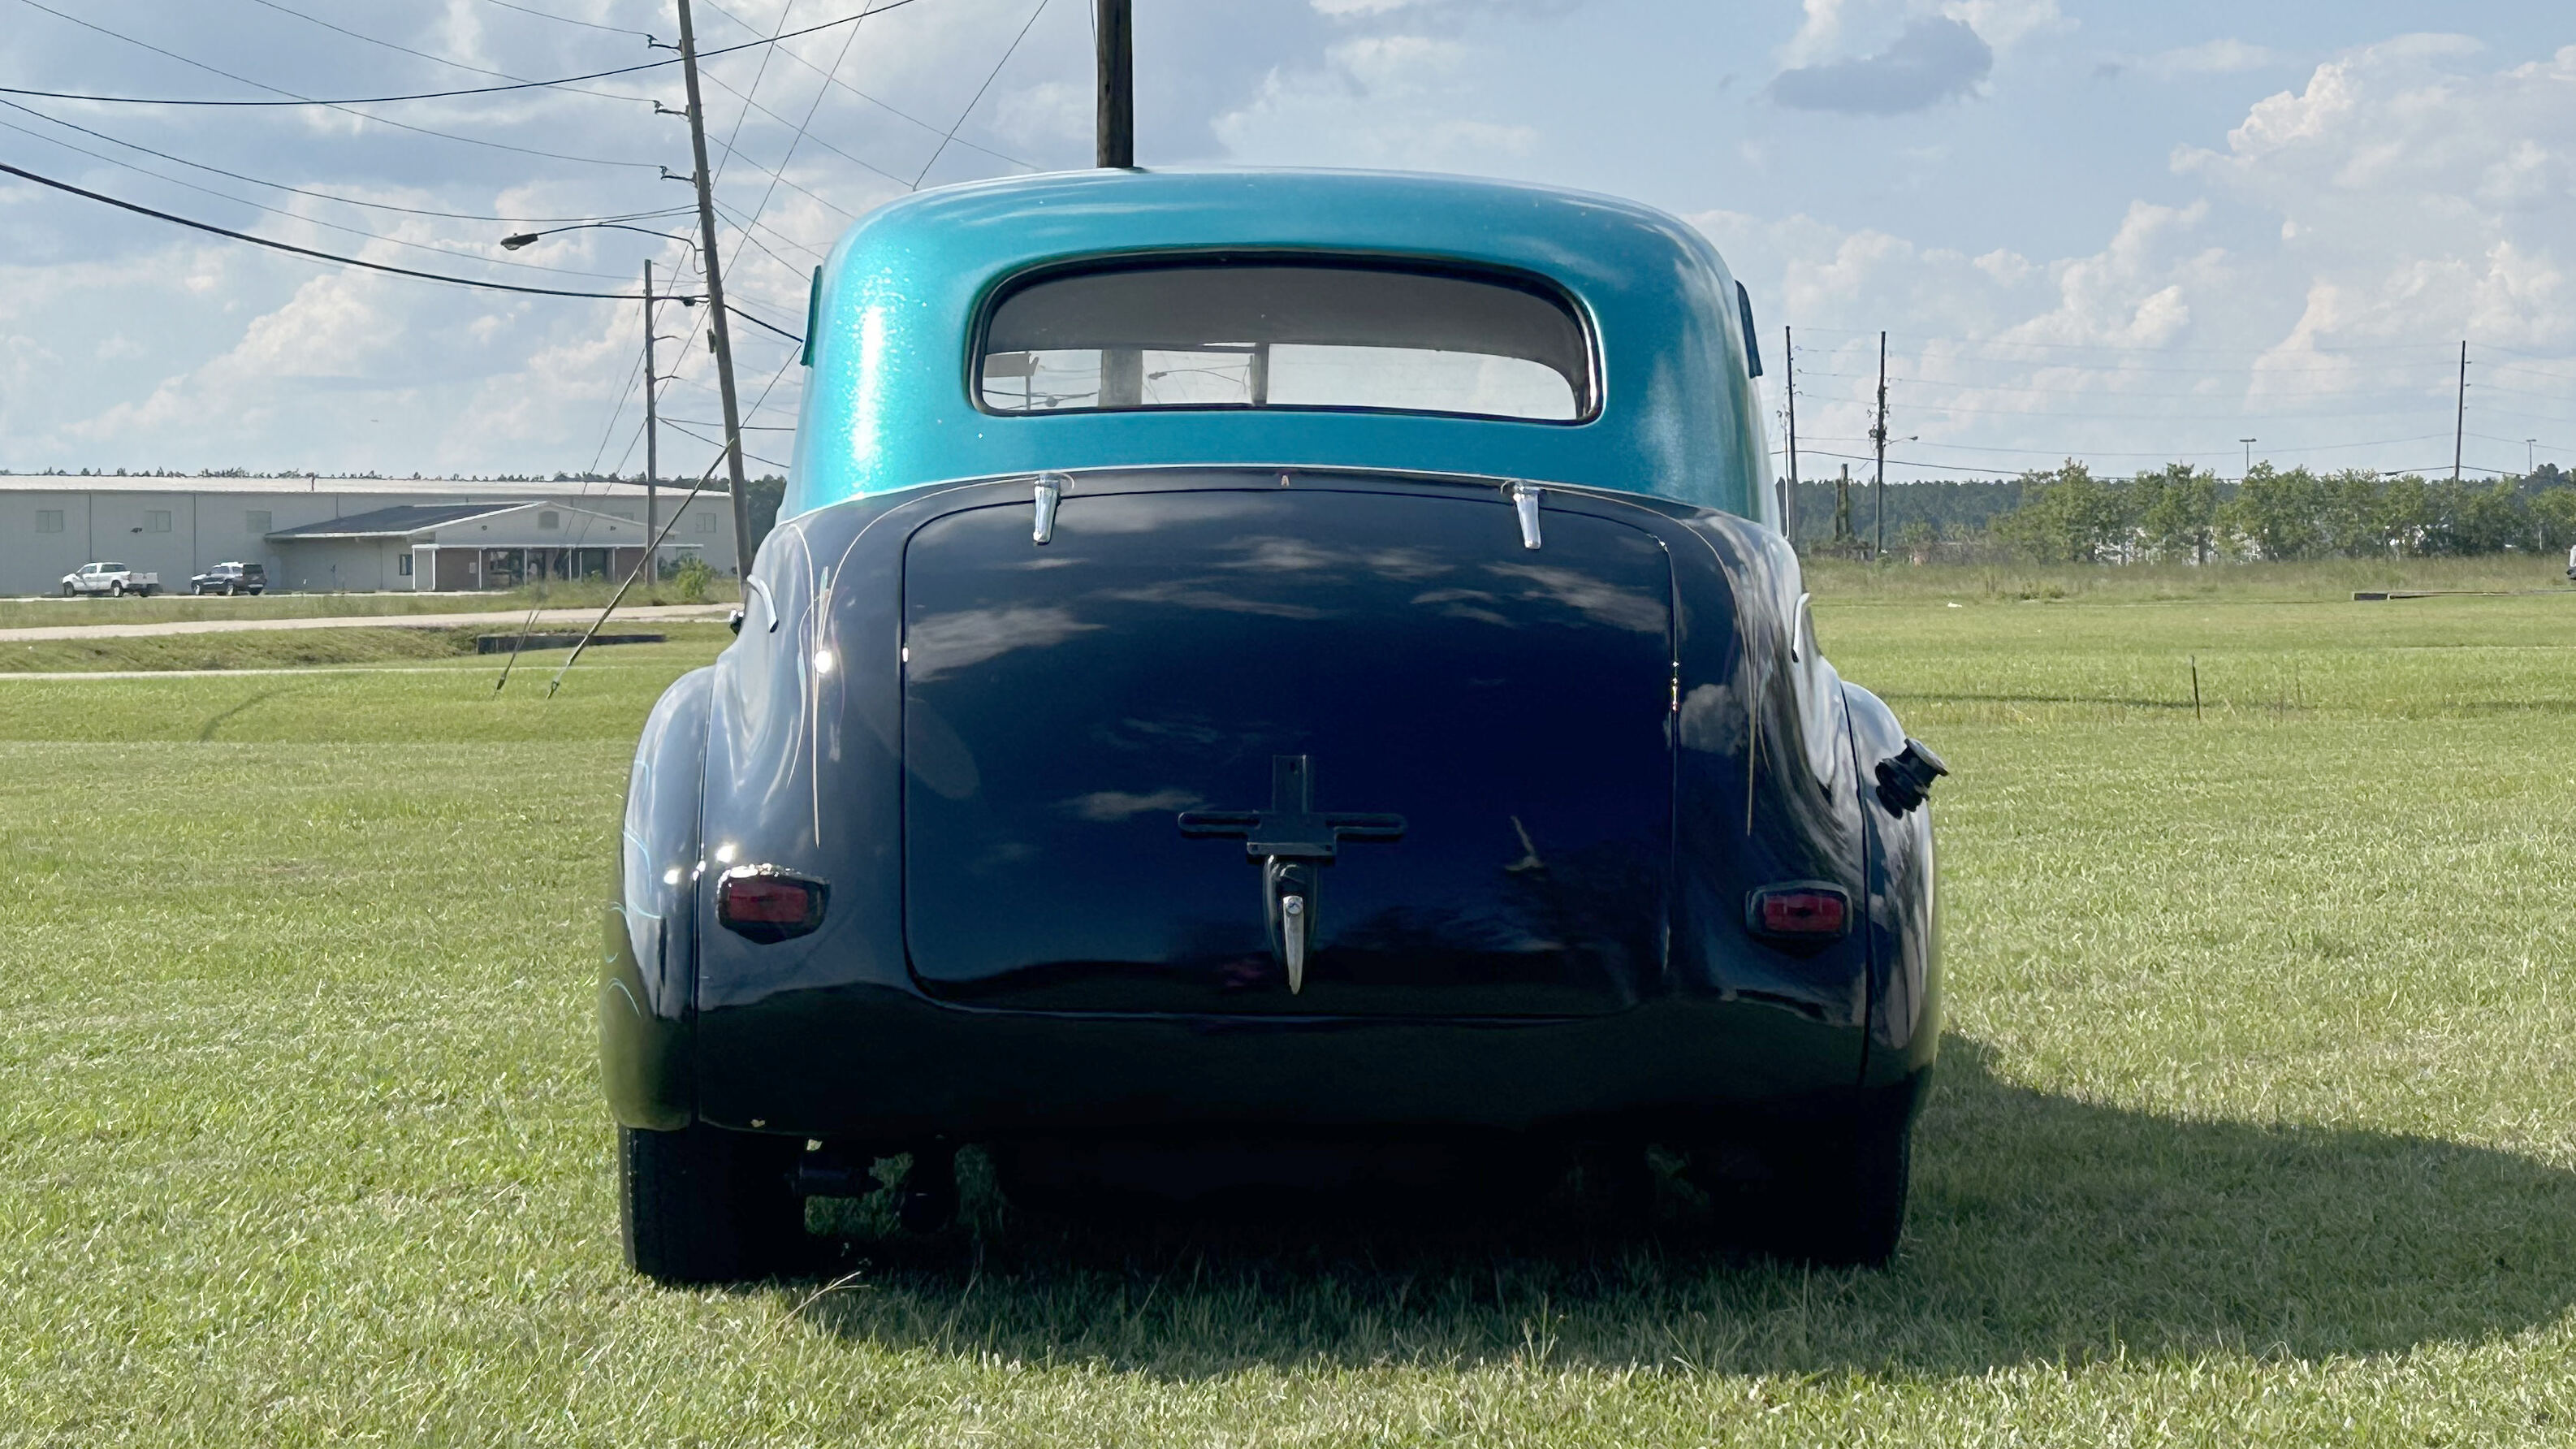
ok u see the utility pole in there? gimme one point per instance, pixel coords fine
(2460, 419)
(1845, 541)
(1789, 365)
(1116, 78)
(1878, 435)
(652, 431)
(1122, 369)
(717, 332)
(2249, 457)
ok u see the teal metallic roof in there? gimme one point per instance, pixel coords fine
(888, 404)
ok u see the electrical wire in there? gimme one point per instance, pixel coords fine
(439, 59)
(558, 81)
(712, 443)
(333, 196)
(847, 41)
(880, 104)
(307, 220)
(340, 106)
(766, 326)
(566, 19)
(735, 135)
(262, 241)
(1007, 53)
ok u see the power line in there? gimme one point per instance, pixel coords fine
(262, 241)
(757, 77)
(712, 443)
(765, 326)
(342, 106)
(566, 19)
(292, 216)
(439, 59)
(834, 79)
(851, 39)
(962, 116)
(296, 100)
(333, 196)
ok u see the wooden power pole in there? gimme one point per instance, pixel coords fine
(716, 330)
(1117, 83)
(1789, 371)
(2460, 418)
(1877, 435)
(1122, 369)
(652, 431)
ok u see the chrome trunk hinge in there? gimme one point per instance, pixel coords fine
(1050, 492)
(1525, 503)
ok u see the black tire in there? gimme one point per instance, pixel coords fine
(117, 588)
(68, 591)
(1844, 1188)
(704, 1205)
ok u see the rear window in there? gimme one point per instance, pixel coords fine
(1286, 335)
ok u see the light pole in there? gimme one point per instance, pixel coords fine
(517, 240)
(2249, 452)
(2530, 456)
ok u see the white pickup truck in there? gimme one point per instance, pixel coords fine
(110, 578)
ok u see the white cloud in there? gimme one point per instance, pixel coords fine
(1834, 30)
(1395, 101)
(2402, 196)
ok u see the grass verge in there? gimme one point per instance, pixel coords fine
(315, 648)
(34, 613)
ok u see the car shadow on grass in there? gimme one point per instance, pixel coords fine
(2044, 1229)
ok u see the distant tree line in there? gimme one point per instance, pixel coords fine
(2179, 513)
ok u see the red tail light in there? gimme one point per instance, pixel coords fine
(765, 904)
(1799, 911)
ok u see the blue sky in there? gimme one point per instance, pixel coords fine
(2121, 232)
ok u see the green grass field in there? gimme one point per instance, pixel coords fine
(2254, 1122)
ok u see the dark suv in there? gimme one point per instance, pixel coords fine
(230, 578)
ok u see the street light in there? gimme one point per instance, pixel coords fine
(514, 242)
(2248, 442)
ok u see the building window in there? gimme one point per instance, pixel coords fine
(156, 520)
(549, 519)
(49, 520)
(706, 521)
(402, 565)
(255, 521)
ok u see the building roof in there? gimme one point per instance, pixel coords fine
(398, 521)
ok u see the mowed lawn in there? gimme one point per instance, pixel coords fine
(2257, 1118)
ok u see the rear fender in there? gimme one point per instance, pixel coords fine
(646, 1010)
(1903, 917)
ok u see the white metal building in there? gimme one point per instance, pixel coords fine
(353, 534)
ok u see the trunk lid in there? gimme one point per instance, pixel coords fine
(1216, 652)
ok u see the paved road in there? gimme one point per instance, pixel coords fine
(546, 618)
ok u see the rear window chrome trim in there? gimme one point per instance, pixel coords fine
(1593, 395)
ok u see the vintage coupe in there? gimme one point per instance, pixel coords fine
(1262, 666)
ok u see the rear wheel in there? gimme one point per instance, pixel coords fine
(704, 1205)
(1828, 1190)
(1846, 1192)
